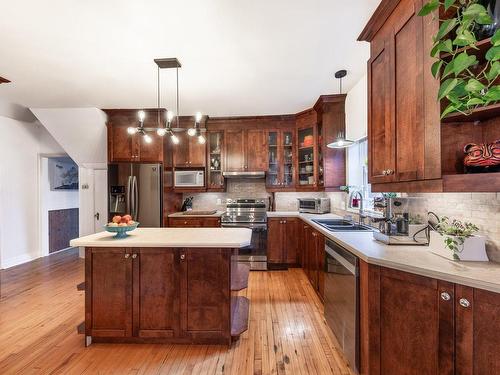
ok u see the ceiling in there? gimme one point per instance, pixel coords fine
(238, 57)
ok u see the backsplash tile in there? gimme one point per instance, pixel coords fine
(482, 209)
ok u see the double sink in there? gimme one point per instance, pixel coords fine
(341, 225)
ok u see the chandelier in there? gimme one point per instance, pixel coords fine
(164, 127)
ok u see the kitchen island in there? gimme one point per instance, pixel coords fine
(164, 285)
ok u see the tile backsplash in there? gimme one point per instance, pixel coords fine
(482, 209)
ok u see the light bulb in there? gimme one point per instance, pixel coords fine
(197, 117)
(175, 139)
(161, 131)
(201, 139)
(147, 138)
(191, 132)
(142, 116)
(170, 116)
(131, 130)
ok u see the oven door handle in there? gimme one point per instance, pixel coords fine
(240, 225)
(339, 258)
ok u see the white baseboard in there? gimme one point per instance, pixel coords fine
(15, 261)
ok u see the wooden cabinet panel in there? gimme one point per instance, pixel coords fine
(122, 146)
(109, 293)
(403, 319)
(408, 91)
(151, 152)
(235, 150)
(156, 287)
(477, 331)
(256, 150)
(291, 240)
(205, 305)
(380, 135)
(275, 230)
(319, 245)
(189, 152)
(409, 316)
(194, 222)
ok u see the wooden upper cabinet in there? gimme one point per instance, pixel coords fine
(403, 114)
(256, 150)
(380, 133)
(246, 150)
(235, 150)
(189, 152)
(124, 147)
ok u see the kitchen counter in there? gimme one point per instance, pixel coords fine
(414, 259)
(170, 237)
(181, 214)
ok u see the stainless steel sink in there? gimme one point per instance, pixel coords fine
(341, 225)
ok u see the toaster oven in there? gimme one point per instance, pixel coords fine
(314, 205)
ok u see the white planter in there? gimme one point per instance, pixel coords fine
(473, 248)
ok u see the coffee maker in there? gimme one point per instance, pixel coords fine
(401, 226)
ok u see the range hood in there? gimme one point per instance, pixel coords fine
(245, 174)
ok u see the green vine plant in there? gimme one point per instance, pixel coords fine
(455, 232)
(464, 83)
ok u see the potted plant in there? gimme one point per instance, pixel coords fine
(458, 240)
(466, 84)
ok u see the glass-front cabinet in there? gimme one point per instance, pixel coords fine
(280, 174)
(309, 157)
(215, 181)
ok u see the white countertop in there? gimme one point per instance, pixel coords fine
(181, 214)
(413, 259)
(170, 237)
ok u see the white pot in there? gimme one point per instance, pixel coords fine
(472, 249)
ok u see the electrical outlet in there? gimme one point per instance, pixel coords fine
(219, 201)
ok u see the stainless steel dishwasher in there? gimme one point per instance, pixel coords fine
(342, 299)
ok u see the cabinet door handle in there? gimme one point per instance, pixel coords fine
(183, 256)
(185, 222)
(445, 296)
(134, 256)
(390, 171)
(284, 222)
(464, 302)
(384, 172)
(127, 255)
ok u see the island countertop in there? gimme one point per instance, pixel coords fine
(170, 237)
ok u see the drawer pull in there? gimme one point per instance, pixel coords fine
(127, 256)
(445, 296)
(464, 302)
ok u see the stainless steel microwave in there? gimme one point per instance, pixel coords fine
(191, 178)
(314, 205)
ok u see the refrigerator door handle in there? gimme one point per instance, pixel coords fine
(128, 193)
(136, 197)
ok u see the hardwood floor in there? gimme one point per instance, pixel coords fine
(40, 309)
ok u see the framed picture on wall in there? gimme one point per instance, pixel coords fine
(63, 174)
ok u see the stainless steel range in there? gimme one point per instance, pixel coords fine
(249, 213)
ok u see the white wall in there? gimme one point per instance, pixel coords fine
(356, 110)
(20, 145)
(52, 200)
(80, 131)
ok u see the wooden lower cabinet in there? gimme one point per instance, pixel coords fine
(282, 241)
(411, 324)
(194, 222)
(158, 295)
(312, 244)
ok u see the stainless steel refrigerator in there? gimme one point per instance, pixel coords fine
(136, 189)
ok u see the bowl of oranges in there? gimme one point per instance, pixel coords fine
(121, 225)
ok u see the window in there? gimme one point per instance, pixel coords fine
(357, 171)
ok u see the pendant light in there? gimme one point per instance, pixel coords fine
(340, 141)
(165, 128)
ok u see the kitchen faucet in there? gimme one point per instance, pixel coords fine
(357, 193)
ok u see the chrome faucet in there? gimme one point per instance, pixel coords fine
(357, 193)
